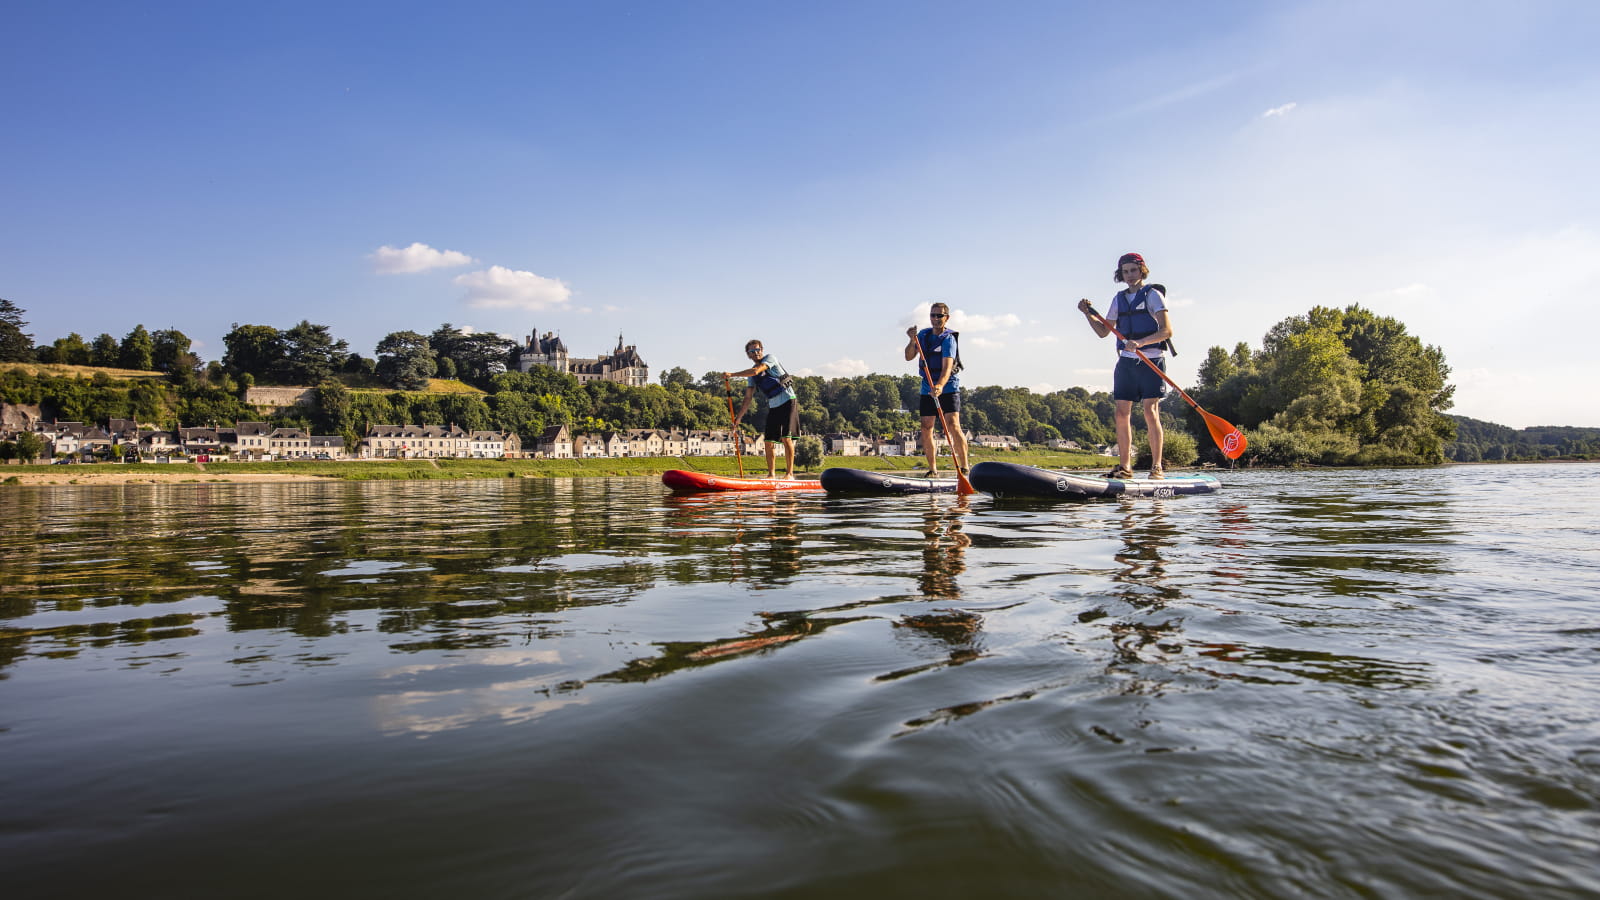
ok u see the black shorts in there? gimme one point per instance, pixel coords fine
(949, 401)
(1134, 381)
(782, 421)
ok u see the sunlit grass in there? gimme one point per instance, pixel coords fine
(409, 469)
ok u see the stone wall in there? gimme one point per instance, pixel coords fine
(278, 397)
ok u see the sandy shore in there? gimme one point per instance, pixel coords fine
(79, 476)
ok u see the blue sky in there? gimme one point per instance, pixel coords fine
(695, 174)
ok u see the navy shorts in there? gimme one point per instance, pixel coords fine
(1134, 381)
(782, 422)
(949, 401)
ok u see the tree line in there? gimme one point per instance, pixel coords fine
(1331, 387)
(1480, 441)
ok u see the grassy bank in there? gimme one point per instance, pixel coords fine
(368, 470)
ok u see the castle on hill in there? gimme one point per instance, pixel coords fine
(623, 365)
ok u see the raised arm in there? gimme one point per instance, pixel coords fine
(1095, 322)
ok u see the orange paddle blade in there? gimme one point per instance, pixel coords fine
(1230, 440)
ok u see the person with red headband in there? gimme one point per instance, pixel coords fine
(1141, 310)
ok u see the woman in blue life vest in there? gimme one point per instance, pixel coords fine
(783, 412)
(1140, 313)
(939, 347)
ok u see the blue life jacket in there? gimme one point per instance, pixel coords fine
(1134, 318)
(774, 382)
(933, 350)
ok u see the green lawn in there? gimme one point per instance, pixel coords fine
(362, 470)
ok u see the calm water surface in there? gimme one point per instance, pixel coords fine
(1331, 684)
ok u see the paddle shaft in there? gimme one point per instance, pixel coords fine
(963, 486)
(738, 445)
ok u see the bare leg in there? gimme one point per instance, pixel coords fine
(1123, 417)
(788, 457)
(1158, 437)
(772, 465)
(930, 448)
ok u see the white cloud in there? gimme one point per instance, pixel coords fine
(839, 368)
(983, 343)
(963, 321)
(387, 260)
(1279, 111)
(1041, 339)
(498, 287)
(960, 320)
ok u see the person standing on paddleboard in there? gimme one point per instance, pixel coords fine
(941, 353)
(1142, 311)
(783, 407)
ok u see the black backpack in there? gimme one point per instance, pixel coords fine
(1166, 344)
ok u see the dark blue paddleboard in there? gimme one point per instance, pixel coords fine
(1004, 479)
(858, 481)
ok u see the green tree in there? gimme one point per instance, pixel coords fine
(808, 451)
(334, 408)
(677, 376)
(405, 361)
(105, 352)
(257, 350)
(476, 356)
(172, 351)
(16, 345)
(30, 446)
(1335, 386)
(71, 350)
(311, 354)
(137, 351)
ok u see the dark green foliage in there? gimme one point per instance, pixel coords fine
(808, 451)
(405, 361)
(311, 354)
(475, 357)
(16, 345)
(1479, 441)
(105, 352)
(1332, 387)
(256, 350)
(137, 350)
(29, 446)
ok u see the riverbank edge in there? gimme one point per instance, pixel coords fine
(432, 469)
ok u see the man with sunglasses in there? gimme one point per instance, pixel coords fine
(783, 410)
(938, 344)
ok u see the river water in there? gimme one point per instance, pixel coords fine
(1324, 684)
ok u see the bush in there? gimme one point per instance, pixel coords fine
(808, 451)
(1178, 449)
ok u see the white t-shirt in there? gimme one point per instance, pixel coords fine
(1154, 302)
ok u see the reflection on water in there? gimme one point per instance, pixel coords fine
(1332, 683)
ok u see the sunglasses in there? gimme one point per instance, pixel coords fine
(938, 315)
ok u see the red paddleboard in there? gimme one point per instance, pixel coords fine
(687, 482)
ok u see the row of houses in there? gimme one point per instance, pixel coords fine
(558, 442)
(259, 440)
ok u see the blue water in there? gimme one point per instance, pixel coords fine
(1327, 684)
